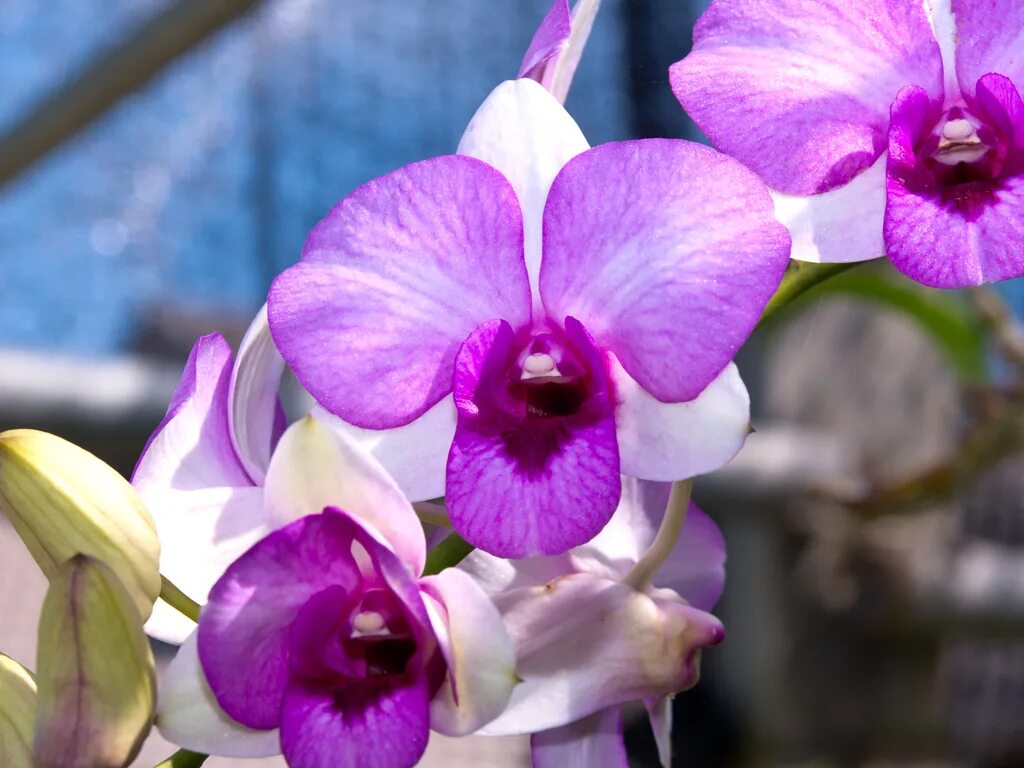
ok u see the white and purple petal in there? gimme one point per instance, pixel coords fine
(548, 42)
(666, 251)
(393, 280)
(594, 741)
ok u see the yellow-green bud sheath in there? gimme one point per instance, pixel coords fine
(63, 501)
(17, 714)
(97, 687)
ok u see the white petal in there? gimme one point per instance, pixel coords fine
(674, 441)
(593, 742)
(316, 465)
(659, 709)
(416, 454)
(524, 132)
(201, 533)
(187, 713)
(841, 225)
(481, 661)
(629, 533)
(253, 399)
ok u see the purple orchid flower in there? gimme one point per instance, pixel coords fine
(885, 127)
(320, 641)
(577, 671)
(537, 316)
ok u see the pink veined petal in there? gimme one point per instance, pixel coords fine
(415, 454)
(674, 441)
(548, 41)
(799, 90)
(201, 533)
(671, 277)
(244, 628)
(393, 280)
(517, 488)
(386, 727)
(933, 241)
(524, 132)
(317, 465)
(188, 715)
(841, 225)
(255, 415)
(592, 742)
(584, 643)
(659, 710)
(989, 38)
(191, 448)
(481, 660)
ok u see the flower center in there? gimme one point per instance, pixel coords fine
(958, 141)
(550, 380)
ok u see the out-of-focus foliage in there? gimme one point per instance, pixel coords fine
(64, 501)
(97, 688)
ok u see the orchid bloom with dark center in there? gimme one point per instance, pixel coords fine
(884, 127)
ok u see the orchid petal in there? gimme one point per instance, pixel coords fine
(594, 741)
(550, 39)
(255, 416)
(201, 533)
(584, 643)
(316, 465)
(416, 454)
(524, 132)
(670, 277)
(659, 710)
(480, 657)
(191, 448)
(520, 486)
(989, 38)
(841, 225)
(188, 714)
(674, 441)
(392, 281)
(385, 726)
(799, 90)
(630, 532)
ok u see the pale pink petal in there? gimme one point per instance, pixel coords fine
(659, 710)
(591, 742)
(989, 38)
(548, 41)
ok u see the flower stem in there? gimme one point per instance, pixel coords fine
(665, 540)
(451, 551)
(800, 278)
(178, 600)
(183, 758)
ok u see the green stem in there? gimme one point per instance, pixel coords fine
(451, 551)
(665, 539)
(178, 600)
(800, 278)
(183, 758)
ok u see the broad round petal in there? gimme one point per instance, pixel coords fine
(674, 441)
(799, 90)
(191, 448)
(936, 241)
(584, 643)
(415, 454)
(841, 225)
(524, 132)
(666, 251)
(989, 38)
(255, 414)
(520, 487)
(479, 653)
(591, 742)
(393, 280)
(317, 465)
(383, 727)
(188, 715)
(201, 533)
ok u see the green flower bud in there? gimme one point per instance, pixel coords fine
(17, 714)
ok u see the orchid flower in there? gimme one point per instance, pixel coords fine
(884, 127)
(536, 317)
(321, 641)
(588, 640)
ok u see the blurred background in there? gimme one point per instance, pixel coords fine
(162, 160)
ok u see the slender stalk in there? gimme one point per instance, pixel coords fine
(178, 600)
(666, 538)
(800, 278)
(433, 513)
(183, 758)
(583, 15)
(451, 551)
